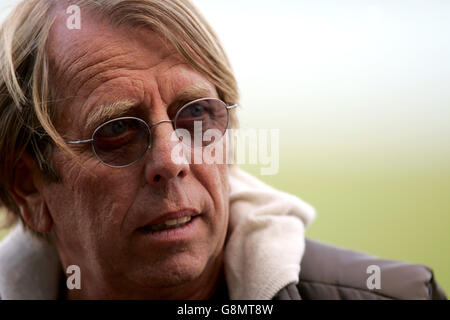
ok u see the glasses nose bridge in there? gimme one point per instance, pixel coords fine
(159, 122)
(150, 127)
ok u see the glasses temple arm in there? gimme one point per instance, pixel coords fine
(79, 141)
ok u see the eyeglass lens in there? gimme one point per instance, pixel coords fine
(123, 141)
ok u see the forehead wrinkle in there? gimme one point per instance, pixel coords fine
(82, 60)
(94, 70)
(61, 72)
(97, 60)
(103, 69)
(71, 58)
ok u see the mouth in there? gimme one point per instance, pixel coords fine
(168, 224)
(172, 228)
(171, 220)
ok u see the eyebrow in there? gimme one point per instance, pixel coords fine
(193, 92)
(118, 108)
(108, 111)
(189, 94)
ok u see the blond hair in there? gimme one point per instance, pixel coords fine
(27, 111)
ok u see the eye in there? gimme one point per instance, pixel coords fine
(117, 133)
(119, 127)
(114, 129)
(195, 110)
(121, 141)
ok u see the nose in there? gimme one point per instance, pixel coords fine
(160, 167)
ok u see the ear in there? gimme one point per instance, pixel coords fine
(27, 192)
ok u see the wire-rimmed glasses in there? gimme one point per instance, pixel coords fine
(122, 142)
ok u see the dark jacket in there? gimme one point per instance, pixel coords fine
(331, 273)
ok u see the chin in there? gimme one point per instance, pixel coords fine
(172, 271)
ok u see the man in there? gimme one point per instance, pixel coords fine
(88, 117)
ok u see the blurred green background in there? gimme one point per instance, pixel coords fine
(381, 208)
(360, 91)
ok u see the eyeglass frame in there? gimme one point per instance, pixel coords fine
(228, 107)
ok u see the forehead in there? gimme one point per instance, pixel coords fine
(100, 63)
(78, 56)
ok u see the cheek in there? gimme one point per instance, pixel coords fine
(214, 179)
(90, 203)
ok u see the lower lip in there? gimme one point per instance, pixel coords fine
(181, 233)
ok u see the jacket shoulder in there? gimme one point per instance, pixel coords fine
(329, 272)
